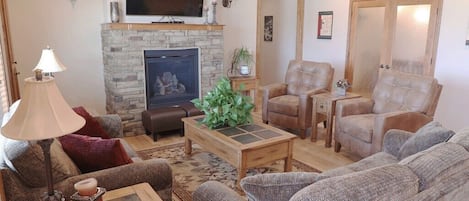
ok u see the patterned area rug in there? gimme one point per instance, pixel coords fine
(191, 171)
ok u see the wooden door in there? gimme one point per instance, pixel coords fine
(390, 34)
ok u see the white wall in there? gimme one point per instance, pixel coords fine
(452, 65)
(324, 50)
(240, 22)
(75, 34)
(277, 53)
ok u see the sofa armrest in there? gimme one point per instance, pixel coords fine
(277, 186)
(353, 106)
(270, 91)
(403, 120)
(215, 191)
(156, 172)
(112, 124)
(394, 139)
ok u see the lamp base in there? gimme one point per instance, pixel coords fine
(58, 196)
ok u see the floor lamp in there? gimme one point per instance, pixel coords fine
(42, 115)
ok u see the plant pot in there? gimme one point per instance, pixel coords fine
(340, 91)
(244, 70)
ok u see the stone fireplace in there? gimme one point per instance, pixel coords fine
(124, 48)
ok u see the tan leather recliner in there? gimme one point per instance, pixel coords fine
(399, 101)
(288, 104)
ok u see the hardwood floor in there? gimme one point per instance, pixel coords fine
(311, 153)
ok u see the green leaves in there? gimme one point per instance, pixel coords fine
(223, 106)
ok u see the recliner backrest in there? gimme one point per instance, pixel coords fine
(307, 75)
(397, 91)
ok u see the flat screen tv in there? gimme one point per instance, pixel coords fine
(191, 8)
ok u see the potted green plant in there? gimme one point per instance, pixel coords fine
(224, 107)
(242, 60)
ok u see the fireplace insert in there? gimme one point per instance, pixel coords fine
(171, 76)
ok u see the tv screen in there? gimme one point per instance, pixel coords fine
(165, 7)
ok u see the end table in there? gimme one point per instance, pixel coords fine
(325, 104)
(250, 85)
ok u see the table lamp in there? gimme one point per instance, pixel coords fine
(49, 62)
(42, 115)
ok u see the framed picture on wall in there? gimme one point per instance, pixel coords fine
(268, 28)
(325, 19)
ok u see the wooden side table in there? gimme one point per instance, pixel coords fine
(325, 104)
(141, 192)
(250, 86)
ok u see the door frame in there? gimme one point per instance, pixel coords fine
(9, 61)
(390, 15)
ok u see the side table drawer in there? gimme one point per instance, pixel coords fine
(321, 106)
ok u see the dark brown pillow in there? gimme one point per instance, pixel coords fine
(92, 127)
(93, 153)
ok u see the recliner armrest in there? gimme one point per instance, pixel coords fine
(273, 90)
(353, 106)
(270, 91)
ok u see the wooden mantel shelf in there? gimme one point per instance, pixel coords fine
(157, 26)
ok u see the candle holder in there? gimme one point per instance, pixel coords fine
(95, 197)
(214, 12)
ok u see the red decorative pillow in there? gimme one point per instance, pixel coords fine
(93, 153)
(92, 127)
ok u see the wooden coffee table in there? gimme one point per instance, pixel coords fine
(243, 146)
(137, 192)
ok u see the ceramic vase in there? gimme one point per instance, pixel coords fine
(115, 12)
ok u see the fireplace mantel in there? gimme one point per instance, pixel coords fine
(159, 26)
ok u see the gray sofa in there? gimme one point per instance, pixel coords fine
(22, 168)
(431, 164)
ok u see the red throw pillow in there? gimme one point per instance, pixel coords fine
(92, 127)
(93, 153)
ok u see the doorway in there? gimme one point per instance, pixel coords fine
(390, 35)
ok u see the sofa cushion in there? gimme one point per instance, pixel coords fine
(452, 187)
(359, 126)
(391, 181)
(286, 104)
(375, 160)
(92, 127)
(461, 138)
(27, 160)
(93, 153)
(430, 134)
(437, 162)
(277, 186)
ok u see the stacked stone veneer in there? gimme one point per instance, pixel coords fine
(124, 70)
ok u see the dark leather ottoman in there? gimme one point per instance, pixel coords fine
(163, 119)
(190, 109)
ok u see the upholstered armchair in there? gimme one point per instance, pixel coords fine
(399, 101)
(288, 104)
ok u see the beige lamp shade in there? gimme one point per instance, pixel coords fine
(42, 113)
(49, 63)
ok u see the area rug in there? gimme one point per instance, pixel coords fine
(191, 171)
